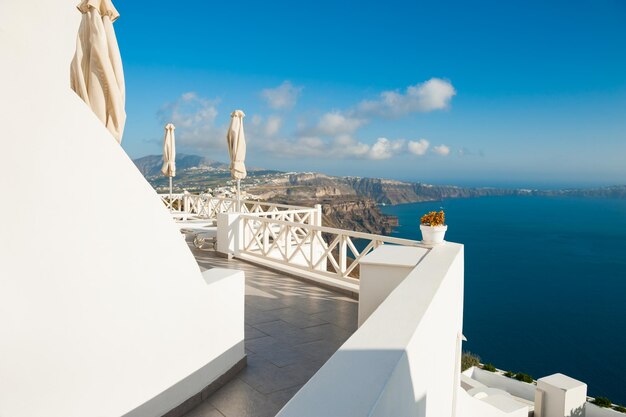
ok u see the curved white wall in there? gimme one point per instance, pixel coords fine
(102, 306)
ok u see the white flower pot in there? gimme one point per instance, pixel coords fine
(433, 235)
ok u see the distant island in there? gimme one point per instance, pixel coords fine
(348, 202)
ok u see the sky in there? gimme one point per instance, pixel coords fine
(492, 93)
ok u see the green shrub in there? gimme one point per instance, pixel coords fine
(509, 374)
(520, 376)
(602, 402)
(619, 408)
(469, 359)
(489, 367)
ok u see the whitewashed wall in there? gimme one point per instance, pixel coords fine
(592, 410)
(403, 360)
(492, 379)
(102, 306)
(472, 407)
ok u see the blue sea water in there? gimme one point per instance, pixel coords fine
(545, 283)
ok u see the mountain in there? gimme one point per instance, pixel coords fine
(384, 191)
(614, 191)
(347, 202)
(150, 165)
(197, 173)
(299, 186)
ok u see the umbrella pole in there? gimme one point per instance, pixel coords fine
(238, 195)
(170, 190)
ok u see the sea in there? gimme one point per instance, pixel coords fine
(545, 283)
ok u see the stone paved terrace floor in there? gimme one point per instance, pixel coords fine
(291, 329)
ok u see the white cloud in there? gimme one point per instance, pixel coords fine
(469, 152)
(272, 126)
(345, 146)
(265, 127)
(282, 97)
(260, 127)
(442, 150)
(385, 149)
(312, 143)
(188, 96)
(309, 146)
(194, 118)
(434, 94)
(333, 135)
(335, 131)
(339, 147)
(336, 123)
(419, 147)
(189, 110)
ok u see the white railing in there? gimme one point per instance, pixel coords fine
(287, 237)
(208, 207)
(173, 202)
(308, 249)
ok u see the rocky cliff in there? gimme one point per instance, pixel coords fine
(348, 202)
(382, 191)
(398, 192)
(361, 215)
(342, 206)
(615, 191)
(351, 213)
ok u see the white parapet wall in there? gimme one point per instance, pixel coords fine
(103, 309)
(394, 263)
(592, 410)
(404, 359)
(496, 380)
(494, 406)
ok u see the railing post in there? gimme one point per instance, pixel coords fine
(343, 255)
(266, 238)
(287, 241)
(202, 206)
(317, 216)
(315, 219)
(212, 208)
(230, 236)
(311, 234)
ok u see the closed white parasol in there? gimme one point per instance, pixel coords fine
(169, 154)
(96, 73)
(236, 140)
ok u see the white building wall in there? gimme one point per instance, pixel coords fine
(468, 406)
(102, 305)
(592, 410)
(518, 388)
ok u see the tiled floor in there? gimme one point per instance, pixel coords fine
(291, 329)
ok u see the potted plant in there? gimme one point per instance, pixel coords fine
(433, 227)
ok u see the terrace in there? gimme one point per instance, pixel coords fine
(321, 322)
(287, 238)
(113, 317)
(291, 329)
(302, 292)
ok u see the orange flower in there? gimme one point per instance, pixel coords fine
(433, 218)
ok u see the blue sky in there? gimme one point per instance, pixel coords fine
(483, 92)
